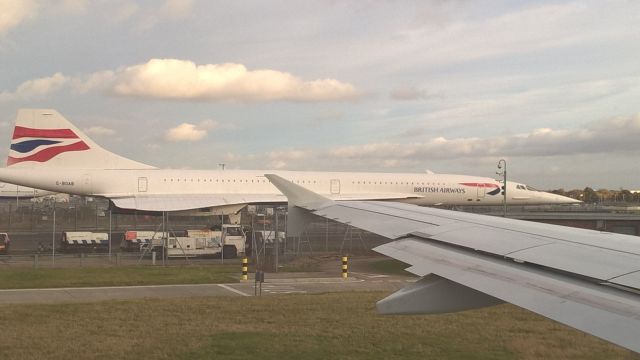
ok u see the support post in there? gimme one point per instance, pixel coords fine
(245, 269)
(276, 241)
(345, 267)
(502, 170)
(53, 238)
(109, 233)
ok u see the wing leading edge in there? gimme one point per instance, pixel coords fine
(585, 279)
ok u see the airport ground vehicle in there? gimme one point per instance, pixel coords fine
(84, 241)
(138, 240)
(4, 243)
(228, 242)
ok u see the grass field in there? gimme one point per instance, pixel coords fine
(21, 278)
(324, 326)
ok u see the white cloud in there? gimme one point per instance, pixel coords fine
(616, 135)
(471, 107)
(281, 159)
(479, 33)
(277, 164)
(192, 132)
(13, 13)
(185, 132)
(185, 80)
(36, 88)
(96, 80)
(99, 131)
(288, 155)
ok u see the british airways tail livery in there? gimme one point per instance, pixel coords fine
(43, 138)
(48, 152)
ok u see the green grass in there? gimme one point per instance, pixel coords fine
(323, 326)
(390, 267)
(21, 278)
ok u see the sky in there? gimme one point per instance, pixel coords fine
(552, 87)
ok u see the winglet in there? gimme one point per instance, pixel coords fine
(298, 195)
(301, 203)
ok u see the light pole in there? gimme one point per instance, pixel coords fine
(502, 170)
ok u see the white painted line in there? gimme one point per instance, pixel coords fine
(336, 281)
(370, 275)
(233, 290)
(110, 287)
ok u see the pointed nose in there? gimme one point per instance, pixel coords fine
(559, 199)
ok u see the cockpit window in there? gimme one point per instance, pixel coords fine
(521, 187)
(532, 189)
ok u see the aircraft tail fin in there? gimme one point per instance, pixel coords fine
(44, 138)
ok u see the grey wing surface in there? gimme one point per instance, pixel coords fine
(586, 279)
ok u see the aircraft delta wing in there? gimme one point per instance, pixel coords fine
(226, 203)
(586, 279)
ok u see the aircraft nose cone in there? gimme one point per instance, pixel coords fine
(559, 199)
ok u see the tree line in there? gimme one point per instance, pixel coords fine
(591, 196)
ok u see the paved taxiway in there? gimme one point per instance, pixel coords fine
(274, 284)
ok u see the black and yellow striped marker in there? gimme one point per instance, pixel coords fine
(345, 267)
(245, 268)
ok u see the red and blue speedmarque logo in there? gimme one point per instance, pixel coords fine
(495, 187)
(42, 145)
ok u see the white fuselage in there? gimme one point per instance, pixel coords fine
(421, 189)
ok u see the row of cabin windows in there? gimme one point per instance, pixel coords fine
(253, 181)
(299, 181)
(216, 180)
(394, 183)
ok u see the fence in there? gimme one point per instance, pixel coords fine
(39, 261)
(36, 228)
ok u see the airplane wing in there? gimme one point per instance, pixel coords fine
(178, 202)
(586, 279)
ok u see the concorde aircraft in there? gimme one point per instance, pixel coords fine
(586, 279)
(50, 153)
